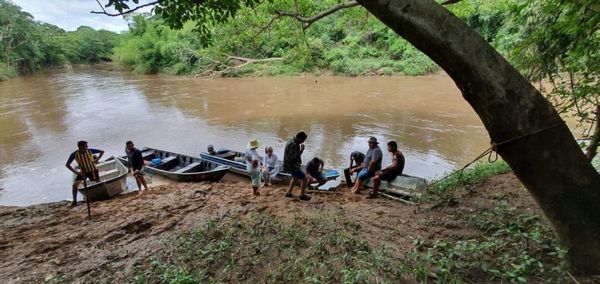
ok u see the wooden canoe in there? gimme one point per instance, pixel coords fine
(179, 167)
(236, 161)
(113, 181)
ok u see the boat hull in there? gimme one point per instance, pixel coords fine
(113, 181)
(402, 186)
(207, 170)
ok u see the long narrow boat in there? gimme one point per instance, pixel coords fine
(180, 167)
(402, 186)
(113, 177)
(236, 161)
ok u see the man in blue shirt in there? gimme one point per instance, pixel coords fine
(371, 164)
(87, 166)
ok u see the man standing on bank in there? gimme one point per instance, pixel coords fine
(314, 174)
(87, 168)
(371, 164)
(136, 165)
(292, 162)
(253, 164)
(356, 160)
(391, 171)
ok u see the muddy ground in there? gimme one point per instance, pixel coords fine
(41, 242)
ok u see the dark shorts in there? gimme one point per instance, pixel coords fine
(91, 176)
(365, 174)
(298, 174)
(318, 176)
(388, 175)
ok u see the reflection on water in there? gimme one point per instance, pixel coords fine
(43, 116)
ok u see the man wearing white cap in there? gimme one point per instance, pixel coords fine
(253, 164)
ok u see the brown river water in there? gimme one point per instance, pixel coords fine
(42, 117)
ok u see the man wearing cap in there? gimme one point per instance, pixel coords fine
(371, 164)
(87, 169)
(292, 162)
(356, 160)
(252, 164)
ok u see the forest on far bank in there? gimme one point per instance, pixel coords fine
(259, 41)
(27, 45)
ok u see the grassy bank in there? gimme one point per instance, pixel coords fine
(486, 234)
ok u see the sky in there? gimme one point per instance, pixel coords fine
(70, 14)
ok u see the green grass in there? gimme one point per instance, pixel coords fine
(311, 250)
(443, 188)
(509, 247)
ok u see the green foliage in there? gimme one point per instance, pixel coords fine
(345, 43)
(556, 42)
(510, 246)
(27, 45)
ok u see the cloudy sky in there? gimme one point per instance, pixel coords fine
(70, 14)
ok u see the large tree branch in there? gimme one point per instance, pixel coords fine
(449, 2)
(103, 12)
(230, 64)
(307, 21)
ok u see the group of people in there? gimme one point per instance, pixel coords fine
(292, 163)
(369, 166)
(86, 165)
(366, 166)
(263, 168)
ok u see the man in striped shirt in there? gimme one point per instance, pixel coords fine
(87, 166)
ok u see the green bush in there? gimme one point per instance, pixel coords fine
(6, 72)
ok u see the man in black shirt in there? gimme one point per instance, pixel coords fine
(313, 173)
(136, 165)
(356, 160)
(292, 162)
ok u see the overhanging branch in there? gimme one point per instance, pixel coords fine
(307, 21)
(103, 12)
(449, 2)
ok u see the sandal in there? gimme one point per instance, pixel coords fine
(289, 195)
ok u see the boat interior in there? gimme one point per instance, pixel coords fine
(179, 164)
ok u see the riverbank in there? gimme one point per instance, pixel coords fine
(491, 231)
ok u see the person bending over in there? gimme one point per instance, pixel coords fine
(313, 173)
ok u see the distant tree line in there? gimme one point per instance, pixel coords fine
(27, 45)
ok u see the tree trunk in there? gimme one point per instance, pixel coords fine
(592, 148)
(550, 163)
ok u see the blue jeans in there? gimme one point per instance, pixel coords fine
(365, 174)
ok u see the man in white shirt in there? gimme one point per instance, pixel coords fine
(270, 166)
(253, 164)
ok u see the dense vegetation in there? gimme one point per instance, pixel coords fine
(349, 42)
(27, 45)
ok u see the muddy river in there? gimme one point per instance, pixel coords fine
(42, 116)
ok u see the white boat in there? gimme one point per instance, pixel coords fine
(113, 181)
(402, 186)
